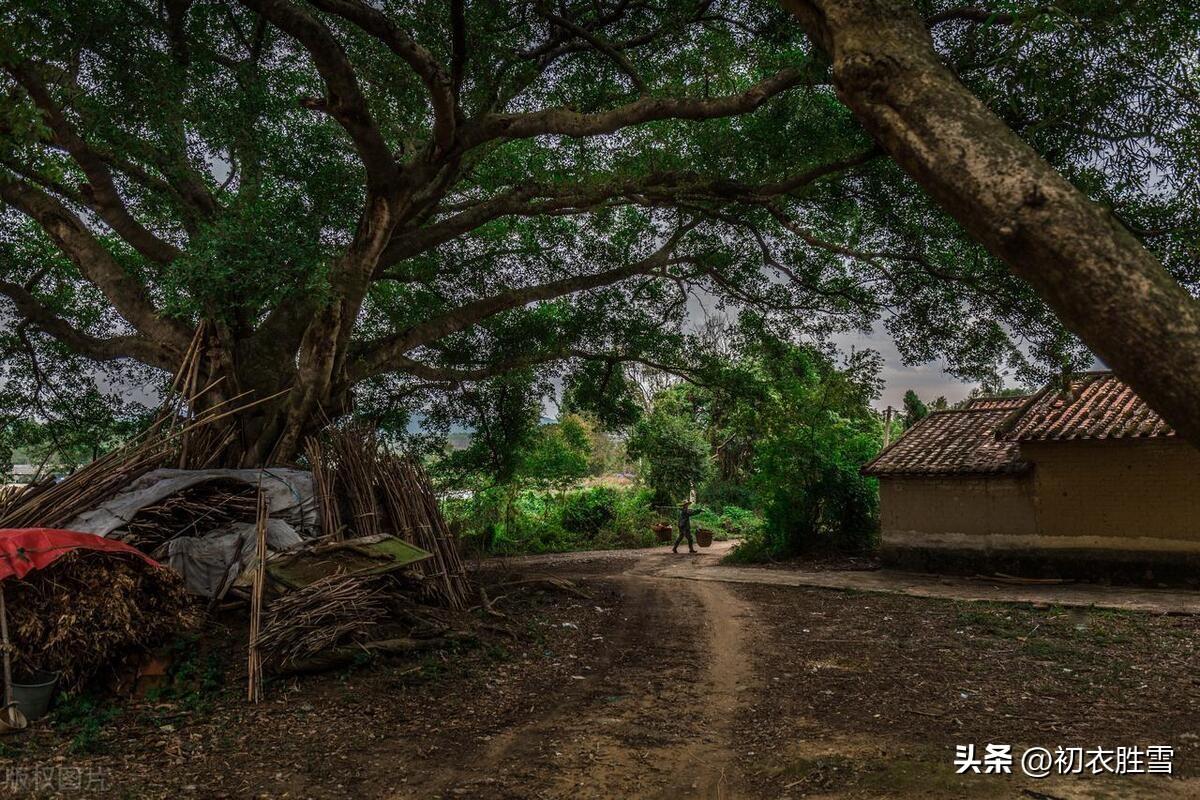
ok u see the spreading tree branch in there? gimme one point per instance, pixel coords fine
(100, 192)
(604, 47)
(437, 83)
(456, 375)
(657, 189)
(971, 14)
(344, 100)
(127, 295)
(34, 312)
(378, 356)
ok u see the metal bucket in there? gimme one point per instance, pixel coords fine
(33, 698)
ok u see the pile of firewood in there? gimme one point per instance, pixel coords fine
(191, 512)
(336, 610)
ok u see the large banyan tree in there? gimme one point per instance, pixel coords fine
(367, 201)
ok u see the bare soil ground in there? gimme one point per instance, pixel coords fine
(663, 687)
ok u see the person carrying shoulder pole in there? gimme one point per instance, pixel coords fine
(686, 512)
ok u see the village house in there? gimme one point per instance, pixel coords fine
(1086, 482)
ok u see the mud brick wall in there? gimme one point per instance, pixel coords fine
(1088, 509)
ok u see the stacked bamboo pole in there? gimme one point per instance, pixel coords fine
(417, 518)
(94, 483)
(325, 491)
(178, 436)
(357, 457)
(254, 658)
(385, 493)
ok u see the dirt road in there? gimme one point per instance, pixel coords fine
(658, 681)
(707, 693)
(654, 719)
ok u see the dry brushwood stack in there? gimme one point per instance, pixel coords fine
(189, 512)
(369, 491)
(336, 610)
(89, 609)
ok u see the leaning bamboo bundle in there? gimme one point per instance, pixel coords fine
(364, 490)
(90, 485)
(414, 515)
(254, 657)
(356, 452)
(325, 489)
(11, 494)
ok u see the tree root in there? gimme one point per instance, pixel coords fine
(345, 656)
(548, 583)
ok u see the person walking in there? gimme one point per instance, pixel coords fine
(686, 512)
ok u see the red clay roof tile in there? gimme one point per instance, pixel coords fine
(979, 403)
(961, 441)
(1098, 406)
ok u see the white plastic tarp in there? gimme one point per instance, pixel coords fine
(211, 563)
(211, 560)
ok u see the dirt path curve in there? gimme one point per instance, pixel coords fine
(654, 720)
(708, 567)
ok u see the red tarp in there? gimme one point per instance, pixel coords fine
(25, 549)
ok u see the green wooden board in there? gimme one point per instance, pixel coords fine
(372, 555)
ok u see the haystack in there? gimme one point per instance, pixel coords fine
(89, 609)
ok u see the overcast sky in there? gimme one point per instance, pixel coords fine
(927, 380)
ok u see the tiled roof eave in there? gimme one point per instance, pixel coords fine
(1016, 468)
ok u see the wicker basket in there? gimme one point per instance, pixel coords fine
(704, 537)
(663, 533)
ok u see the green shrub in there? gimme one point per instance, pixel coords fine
(633, 515)
(731, 522)
(495, 521)
(586, 511)
(753, 549)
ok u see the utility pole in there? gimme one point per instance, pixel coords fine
(887, 426)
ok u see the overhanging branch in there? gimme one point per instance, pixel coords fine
(34, 312)
(567, 122)
(377, 356)
(455, 375)
(665, 188)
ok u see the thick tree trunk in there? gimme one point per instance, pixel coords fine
(281, 401)
(1096, 276)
